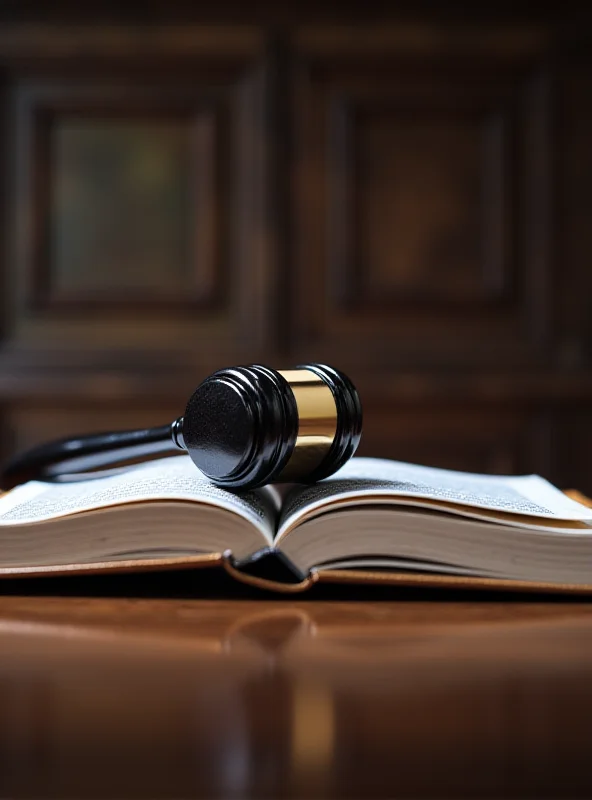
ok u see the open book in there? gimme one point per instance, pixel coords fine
(374, 520)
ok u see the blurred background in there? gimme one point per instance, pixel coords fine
(403, 193)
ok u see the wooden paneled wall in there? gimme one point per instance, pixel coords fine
(404, 195)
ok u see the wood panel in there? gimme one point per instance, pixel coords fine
(402, 192)
(138, 206)
(421, 213)
(133, 214)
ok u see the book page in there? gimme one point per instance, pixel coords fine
(175, 478)
(526, 495)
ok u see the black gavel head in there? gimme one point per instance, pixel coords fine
(248, 426)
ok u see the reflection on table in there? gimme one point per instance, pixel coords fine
(236, 698)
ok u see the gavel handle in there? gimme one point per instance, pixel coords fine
(87, 453)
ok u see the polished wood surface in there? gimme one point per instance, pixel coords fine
(391, 695)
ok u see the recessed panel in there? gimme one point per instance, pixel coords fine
(420, 205)
(120, 208)
(422, 214)
(140, 217)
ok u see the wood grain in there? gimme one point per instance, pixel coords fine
(166, 697)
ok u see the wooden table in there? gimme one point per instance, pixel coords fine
(387, 695)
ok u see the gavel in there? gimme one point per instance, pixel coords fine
(243, 427)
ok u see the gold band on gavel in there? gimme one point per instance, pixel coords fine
(317, 422)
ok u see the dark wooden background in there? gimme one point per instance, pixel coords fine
(403, 193)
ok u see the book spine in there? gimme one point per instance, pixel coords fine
(269, 569)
